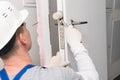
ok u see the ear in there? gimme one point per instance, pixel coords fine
(22, 38)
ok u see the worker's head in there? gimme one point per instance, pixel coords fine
(12, 29)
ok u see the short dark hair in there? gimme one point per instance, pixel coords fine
(7, 47)
(4, 52)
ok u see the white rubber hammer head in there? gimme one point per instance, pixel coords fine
(57, 15)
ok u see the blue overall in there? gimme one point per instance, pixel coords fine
(4, 75)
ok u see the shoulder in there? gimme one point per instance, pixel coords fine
(54, 73)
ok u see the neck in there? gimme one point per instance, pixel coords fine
(16, 62)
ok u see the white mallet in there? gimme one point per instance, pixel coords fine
(58, 15)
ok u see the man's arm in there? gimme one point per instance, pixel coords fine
(86, 68)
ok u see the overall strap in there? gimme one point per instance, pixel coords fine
(4, 75)
(18, 76)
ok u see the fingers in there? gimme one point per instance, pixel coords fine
(65, 63)
(58, 53)
(69, 29)
(70, 26)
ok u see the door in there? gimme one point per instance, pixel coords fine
(94, 33)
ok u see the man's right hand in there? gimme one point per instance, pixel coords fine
(73, 35)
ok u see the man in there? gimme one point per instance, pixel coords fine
(15, 42)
